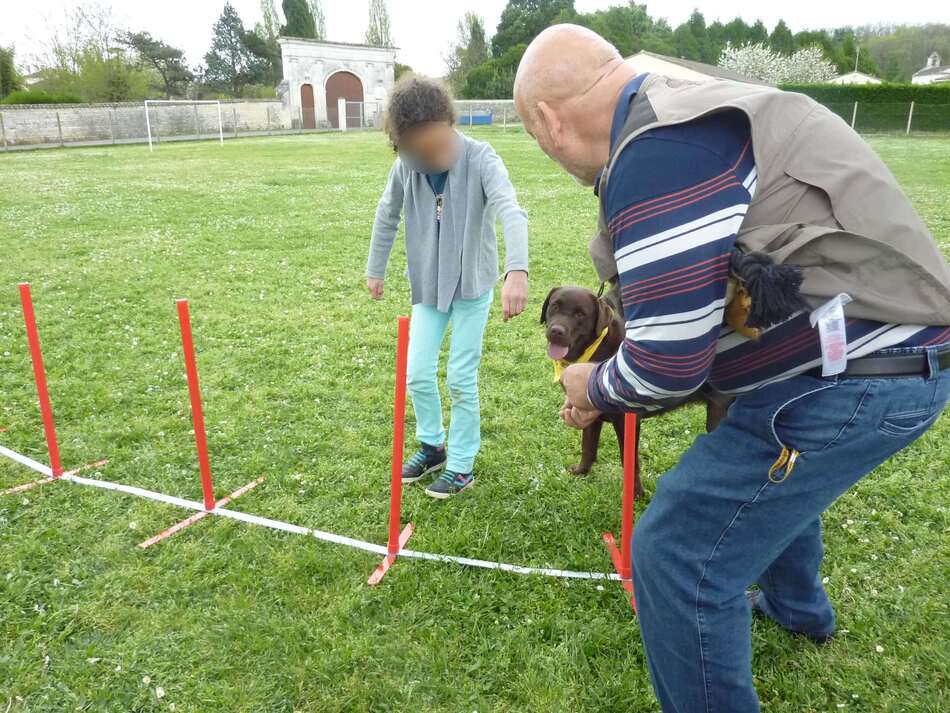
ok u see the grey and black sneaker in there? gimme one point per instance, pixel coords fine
(428, 459)
(450, 483)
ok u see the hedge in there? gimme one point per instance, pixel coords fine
(874, 93)
(36, 96)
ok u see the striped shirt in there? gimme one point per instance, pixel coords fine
(676, 198)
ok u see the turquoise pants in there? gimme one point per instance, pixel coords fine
(426, 334)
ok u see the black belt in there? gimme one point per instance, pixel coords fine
(891, 365)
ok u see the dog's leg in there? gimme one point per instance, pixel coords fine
(715, 412)
(618, 423)
(590, 440)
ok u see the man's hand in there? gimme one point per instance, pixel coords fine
(375, 287)
(577, 410)
(514, 294)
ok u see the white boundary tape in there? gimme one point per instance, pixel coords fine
(301, 530)
(28, 462)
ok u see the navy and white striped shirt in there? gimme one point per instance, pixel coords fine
(676, 198)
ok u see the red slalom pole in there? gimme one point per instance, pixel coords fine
(621, 556)
(196, 413)
(39, 374)
(399, 431)
(397, 537)
(629, 473)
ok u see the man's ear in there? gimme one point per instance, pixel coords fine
(605, 314)
(544, 307)
(550, 123)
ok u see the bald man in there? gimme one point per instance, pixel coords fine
(692, 179)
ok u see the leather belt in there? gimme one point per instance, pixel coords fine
(894, 365)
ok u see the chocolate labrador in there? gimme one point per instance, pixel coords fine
(575, 319)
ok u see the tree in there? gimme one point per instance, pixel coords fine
(319, 19)
(401, 69)
(495, 78)
(300, 21)
(167, 61)
(469, 50)
(9, 78)
(378, 32)
(781, 40)
(806, 66)
(758, 34)
(270, 20)
(83, 56)
(522, 20)
(231, 65)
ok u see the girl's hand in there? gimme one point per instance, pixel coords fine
(514, 294)
(375, 287)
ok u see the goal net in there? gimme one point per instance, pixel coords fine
(182, 119)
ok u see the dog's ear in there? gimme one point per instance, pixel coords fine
(544, 307)
(605, 314)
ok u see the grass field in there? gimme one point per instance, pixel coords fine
(267, 237)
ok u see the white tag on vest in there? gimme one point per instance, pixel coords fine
(831, 332)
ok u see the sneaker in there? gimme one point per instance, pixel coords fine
(755, 601)
(450, 483)
(428, 459)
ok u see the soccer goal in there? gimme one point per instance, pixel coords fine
(180, 117)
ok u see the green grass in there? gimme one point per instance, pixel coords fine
(267, 237)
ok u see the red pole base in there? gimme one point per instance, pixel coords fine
(626, 577)
(377, 576)
(50, 479)
(200, 515)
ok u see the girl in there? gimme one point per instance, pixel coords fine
(451, 189)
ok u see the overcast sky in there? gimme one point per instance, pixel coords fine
(423, 28)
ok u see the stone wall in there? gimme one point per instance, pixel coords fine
(48, 124)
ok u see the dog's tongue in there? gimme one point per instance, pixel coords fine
(556, 351)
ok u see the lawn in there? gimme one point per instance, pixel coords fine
(267, 238)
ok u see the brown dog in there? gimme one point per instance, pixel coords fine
(575, 319)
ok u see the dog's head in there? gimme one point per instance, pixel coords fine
(574, 318)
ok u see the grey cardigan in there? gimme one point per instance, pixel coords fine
(460, 257)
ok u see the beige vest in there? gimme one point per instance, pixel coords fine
(824, 201)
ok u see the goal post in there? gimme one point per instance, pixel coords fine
(181, 102)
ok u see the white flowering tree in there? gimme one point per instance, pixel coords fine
(806, 66)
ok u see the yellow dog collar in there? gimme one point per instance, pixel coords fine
(561, 364)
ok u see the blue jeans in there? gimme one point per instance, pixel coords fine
(426, 334)
(718, 524)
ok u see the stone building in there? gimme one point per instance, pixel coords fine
(317, 75)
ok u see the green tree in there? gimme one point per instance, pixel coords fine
(300, 21)
(231, 65)
(469, 51)
(626, 27)
(270, 20)
(495, 78)
(522, 20)
(319, 19)
(758, 34)
(168, 62)
(781, 39)
(401, 69)
(378, 31)
(9, 78)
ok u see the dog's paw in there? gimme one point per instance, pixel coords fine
(579, 469)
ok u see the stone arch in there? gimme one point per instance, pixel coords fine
(346, 84)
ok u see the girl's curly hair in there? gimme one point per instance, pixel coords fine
(417, 100)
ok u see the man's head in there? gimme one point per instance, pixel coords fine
(565, 90)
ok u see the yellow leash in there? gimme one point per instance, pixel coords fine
(561, 364)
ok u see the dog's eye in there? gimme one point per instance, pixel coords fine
(579, 313)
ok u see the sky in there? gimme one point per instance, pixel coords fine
(424, 29)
